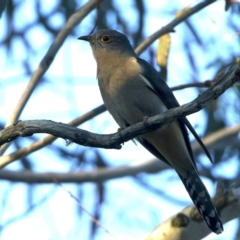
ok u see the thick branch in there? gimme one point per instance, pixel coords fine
(184, 224)
(82, 137)
(99, 175)
(20, 153)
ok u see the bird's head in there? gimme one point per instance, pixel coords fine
(107, 42)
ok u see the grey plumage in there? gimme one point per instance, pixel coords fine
(131, 90)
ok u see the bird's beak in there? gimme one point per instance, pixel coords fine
(85, 38)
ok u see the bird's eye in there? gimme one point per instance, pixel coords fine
(105, 39)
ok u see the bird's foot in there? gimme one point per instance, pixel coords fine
(145, 118)
(119, 131)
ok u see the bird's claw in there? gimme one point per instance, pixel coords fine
(145, 118)
(119, 131)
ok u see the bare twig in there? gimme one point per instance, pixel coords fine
(169, 27)
(217, 137)
(85, 210)
(85, 138)
(75, 19)
(205, 84)
(30, 209)
(98, 175)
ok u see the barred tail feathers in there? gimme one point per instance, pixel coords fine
(202, 200)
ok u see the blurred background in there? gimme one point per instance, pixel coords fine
(127, 190)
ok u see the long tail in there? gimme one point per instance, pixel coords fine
(202, 200)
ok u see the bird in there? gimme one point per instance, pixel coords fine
(132, 90)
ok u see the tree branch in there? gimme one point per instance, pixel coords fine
(205, 84)
(182, 225)
(218, 139)
(50, 138)
(169, 27)
(97, 176)
(82, 137)
(104, 174)
(45, 63)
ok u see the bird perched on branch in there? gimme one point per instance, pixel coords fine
(132, 90)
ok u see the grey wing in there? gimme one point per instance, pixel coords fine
(170, 101)
(151, 148)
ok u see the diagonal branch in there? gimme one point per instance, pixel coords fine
(47, 60)
(82, 137)
(182, 225)
(169, 27)
(45, 63)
